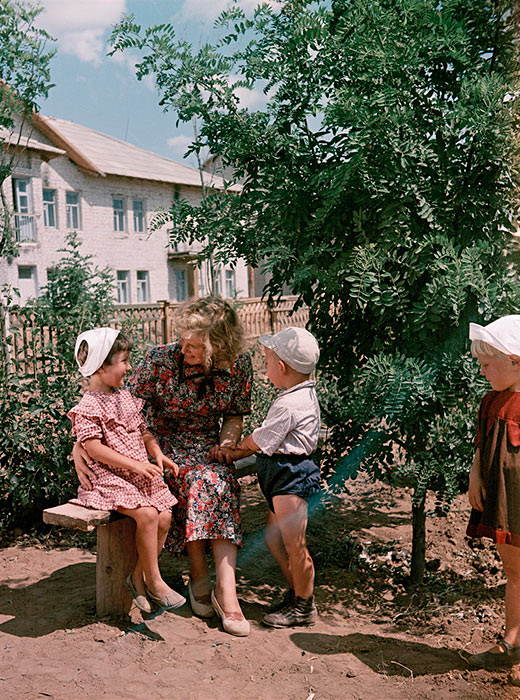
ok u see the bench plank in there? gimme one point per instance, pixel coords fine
(76, 517)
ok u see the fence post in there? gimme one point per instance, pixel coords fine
(4, 330)
(271, 316)
(164, 320)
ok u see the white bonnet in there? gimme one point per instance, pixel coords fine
(99, 341)
(502, 334)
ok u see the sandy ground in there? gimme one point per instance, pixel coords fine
(375, 639)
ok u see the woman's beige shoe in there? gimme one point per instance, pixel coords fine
(232, 623)
(200, 608)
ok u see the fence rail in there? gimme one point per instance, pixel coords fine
(153, 323)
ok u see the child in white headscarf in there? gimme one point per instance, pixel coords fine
(494, 483)
(109, 424)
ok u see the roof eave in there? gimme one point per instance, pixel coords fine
(48, 130)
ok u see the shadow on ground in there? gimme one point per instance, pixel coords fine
(385, 655)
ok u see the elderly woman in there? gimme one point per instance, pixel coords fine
(197, 391)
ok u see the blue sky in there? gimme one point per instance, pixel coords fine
(102, 92)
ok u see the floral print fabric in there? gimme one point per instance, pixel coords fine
(184, 409)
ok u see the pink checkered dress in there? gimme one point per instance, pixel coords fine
(116, 420)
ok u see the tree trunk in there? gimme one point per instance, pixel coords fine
(418, 542)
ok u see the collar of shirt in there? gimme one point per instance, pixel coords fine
(308, 383)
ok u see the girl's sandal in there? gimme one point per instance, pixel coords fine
(509, 656)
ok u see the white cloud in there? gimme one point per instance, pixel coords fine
(247, 98)
(81, 26)
(179, 144)
(129, 60)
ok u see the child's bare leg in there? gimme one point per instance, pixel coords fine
(274, 542)
(510, 556)
(163, 526)
(291, 513)
(146, 540)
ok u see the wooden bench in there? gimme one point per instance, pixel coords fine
(116, 550)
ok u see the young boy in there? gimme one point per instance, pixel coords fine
(287, 475)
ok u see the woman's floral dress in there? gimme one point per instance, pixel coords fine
(184, 408)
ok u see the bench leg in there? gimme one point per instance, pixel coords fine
(116, 557)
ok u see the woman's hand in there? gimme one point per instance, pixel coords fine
(166, 463)
(81, 464)
(221, 454)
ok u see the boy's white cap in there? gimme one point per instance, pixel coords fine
(295, 346)
(502, 334)
(99, 341)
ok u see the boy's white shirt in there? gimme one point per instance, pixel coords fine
(292, 424)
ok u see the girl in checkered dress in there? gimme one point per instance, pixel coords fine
(109, 424)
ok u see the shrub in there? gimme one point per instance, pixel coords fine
(35, 433)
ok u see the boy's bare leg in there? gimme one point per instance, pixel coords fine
(510, 556)
(274, 542)
(292, 515)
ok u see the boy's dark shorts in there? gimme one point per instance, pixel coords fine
(282, 475)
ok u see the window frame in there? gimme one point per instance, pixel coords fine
(73, 210)
(140, 286)
(46, 208)
(120, 286)
(139, 214)
(118, 214)
(24, 220)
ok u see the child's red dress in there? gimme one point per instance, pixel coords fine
(116, 420)
(498, 437)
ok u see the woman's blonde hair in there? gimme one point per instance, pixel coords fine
(480, 347)
(216, 323)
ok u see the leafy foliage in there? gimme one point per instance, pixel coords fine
(24, 80)
(379, 183)
(35, 433)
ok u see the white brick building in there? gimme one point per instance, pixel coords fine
(70, 177)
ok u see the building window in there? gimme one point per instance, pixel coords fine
(230, 283)
(143, 287)
(118, 205)
(138, 207)
(217, 282)
(73, 211)
(27, 283)
(181, 285)
(49, 208)
(123, 287)
(23, 217)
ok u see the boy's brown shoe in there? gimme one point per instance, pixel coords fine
(300, 613)
(288, 599)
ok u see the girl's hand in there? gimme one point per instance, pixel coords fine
(81, 461)
(476, 491)
(166, 463)
(147, 469)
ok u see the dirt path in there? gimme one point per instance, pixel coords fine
(373, 641)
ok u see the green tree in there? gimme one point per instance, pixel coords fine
(24, 81)
(379, 183)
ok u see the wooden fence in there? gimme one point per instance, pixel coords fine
(151, 324)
